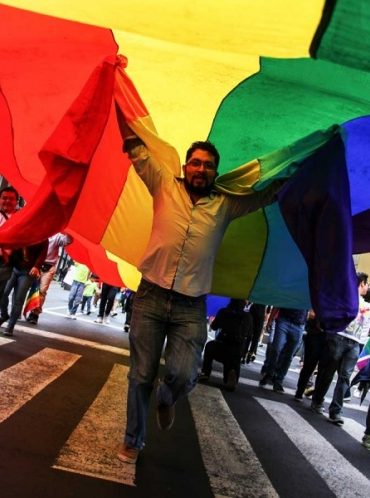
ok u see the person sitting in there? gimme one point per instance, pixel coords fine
(233, 325)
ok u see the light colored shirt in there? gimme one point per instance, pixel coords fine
(185, 236)
(81, 273)
(4, 219)
(5, 252)
(56, 241)
(90, 288)
(358, 329)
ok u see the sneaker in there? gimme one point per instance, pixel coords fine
(113, 313)
(127, 454)
(250, 357)
(3, 320)
(298, 397)
(165, 417)
(317, 408)
(366, 441)
(232, 380)
(73, 317)
(203, 377)
(98, 320)
(88, 313)
(33, 318)
(126, 328)
(347, 399)
(106, 320)
(8, 331)
(336, 419)
(278, 388)
(266, 379)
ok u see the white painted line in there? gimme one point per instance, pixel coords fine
(353, 428)
(92, 447)
(5, 340)
(47, 310)
(342, 478)
(231, 464)
(21, 382)
(73, 340)
(253, 383)
(80, 317)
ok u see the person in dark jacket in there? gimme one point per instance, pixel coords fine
(233, 325)
(257, 312)
(26, 264)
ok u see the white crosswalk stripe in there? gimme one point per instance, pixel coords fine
(231, 464)
(22, 381)
(341, 477)
(72, 340)
(92, 447)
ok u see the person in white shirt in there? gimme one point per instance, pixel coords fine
(341, 353)
(47, 272)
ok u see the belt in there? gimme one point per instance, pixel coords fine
(146, 284)
(346, 339)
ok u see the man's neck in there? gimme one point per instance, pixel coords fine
(195, 196)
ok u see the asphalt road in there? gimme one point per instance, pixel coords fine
(62, 414)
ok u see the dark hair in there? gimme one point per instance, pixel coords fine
(9, 189)
(361, 278)
(207, 146)
(236, 304)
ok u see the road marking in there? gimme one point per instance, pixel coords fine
(21, 382)
(353, 428)
(340, 476)
(73, 340)
(46, 310)
(5, 340)
(231, 464)
(92, 447)
(288, 391)
(80, 317)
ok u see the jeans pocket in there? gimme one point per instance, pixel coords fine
(144, 289)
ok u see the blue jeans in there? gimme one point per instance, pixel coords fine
(160, 314)
(287, 338)
(340, 354)
(20, 281)
(86, 301)
(75, 296)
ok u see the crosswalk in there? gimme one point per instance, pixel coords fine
(230, 461)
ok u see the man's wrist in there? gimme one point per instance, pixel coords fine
(131, 143)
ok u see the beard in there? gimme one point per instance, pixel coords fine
(202, 190)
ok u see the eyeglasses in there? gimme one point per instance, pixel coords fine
(197, 163)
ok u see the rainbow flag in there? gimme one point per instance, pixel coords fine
(300, 113)
(364, 358)
(33, 298)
